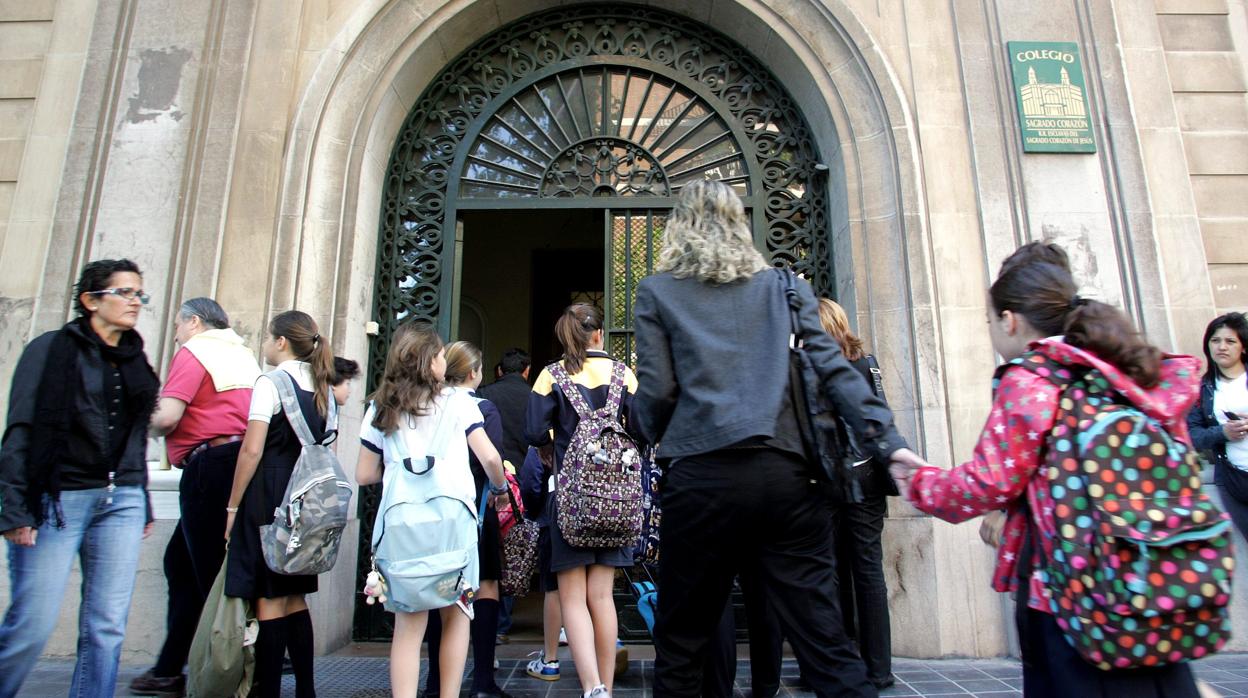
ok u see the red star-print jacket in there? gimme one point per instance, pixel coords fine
(1003, 469)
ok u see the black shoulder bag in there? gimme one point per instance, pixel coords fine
(823, 434)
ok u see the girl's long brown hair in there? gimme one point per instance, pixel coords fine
(1047, 296)
(307, 344)
(408, 385)
(836, 324)
(574, 329)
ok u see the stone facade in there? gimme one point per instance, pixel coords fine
(238, 148)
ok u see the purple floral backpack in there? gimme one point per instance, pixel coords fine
(598, 496)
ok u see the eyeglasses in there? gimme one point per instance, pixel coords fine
(125, 293)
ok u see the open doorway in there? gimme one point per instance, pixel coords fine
(519, 270)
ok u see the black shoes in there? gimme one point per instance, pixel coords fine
(149, 684)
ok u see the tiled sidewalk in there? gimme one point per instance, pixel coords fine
(366, 677)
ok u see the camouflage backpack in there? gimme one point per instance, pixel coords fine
(307, 527)
(598, 495)
(1141, 568)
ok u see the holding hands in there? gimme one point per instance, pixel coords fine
(903, 463)
(993, 526)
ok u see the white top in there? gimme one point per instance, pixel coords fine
(452, 476)
(265, 401)
(1232, 396)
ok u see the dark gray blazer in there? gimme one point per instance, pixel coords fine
(713, 366)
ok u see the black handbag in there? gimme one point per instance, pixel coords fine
(823, 433)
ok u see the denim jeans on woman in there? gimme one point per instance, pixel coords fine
(104, 533)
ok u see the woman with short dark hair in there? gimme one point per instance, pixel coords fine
(73, 478)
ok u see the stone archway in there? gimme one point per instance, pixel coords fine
(389, 50)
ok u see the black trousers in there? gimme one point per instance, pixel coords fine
(857, 533)
(195, 552)
(752, 509)
(766, 638)
(719, 674)
(1052, 667)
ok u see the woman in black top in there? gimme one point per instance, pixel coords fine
(265, 463)
(73, 478)
(858, 528)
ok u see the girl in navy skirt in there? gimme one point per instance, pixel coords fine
(265, 463)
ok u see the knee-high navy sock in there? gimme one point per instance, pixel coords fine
(433, 636)
(484, 631)
(270, 650)
(299, 641)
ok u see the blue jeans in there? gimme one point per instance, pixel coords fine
(105, 537)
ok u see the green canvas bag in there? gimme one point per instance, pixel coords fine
(222, 661)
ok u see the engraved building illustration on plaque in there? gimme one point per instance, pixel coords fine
(1042, 99)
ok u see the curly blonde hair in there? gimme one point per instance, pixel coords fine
(708, 237)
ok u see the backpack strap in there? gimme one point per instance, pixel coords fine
(285, 385)
(481, 508)
(437, 445)
(788, 285)
(877, 377)
(570, 391)
(615, 394)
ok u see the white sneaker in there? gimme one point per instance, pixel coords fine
(599, 691)
(541, 669)
(563, 638)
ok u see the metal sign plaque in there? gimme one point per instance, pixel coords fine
(1052, 100)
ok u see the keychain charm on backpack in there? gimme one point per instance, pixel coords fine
(374, 586)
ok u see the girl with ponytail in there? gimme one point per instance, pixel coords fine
(265, 462)
(1037, 314)
(585, 575)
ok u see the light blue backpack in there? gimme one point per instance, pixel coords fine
(424, 538)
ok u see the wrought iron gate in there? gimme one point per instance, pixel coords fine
(599, 106)
(633, 238)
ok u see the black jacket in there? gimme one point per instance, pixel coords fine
(1207, 434)
(510, 394)
(713, 366)
(89, 446)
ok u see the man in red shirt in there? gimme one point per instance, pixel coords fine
(202, 415)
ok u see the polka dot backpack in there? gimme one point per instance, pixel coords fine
(1141, 569)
